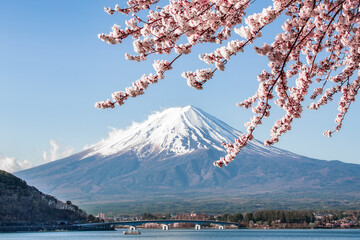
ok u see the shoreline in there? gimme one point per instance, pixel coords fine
(48, 228)
(69, 228)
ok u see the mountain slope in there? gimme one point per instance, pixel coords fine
(171, 155)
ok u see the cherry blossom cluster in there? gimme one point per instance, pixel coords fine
(137, 89)
(198, 78)
(134, 6)
(252, 30)
(200, 21)
(320, 42)
(316, 56)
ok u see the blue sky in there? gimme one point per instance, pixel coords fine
(53, 68)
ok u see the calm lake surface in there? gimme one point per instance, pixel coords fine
(174, 234)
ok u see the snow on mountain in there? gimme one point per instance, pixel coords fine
(178, 130)
(170, 155)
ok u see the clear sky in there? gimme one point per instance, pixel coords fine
(53, 68)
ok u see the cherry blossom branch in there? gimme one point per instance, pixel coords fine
(293, 110)
(143, 48)
(296, 56)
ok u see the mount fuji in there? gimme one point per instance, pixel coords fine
(170, 156)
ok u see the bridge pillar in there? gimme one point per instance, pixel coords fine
(165, 227)
(197, 227)
(221, 227)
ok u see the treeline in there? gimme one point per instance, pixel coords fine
(149, 216)
(237, 217)
(281, 216)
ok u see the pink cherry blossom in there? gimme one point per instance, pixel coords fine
(315, 58)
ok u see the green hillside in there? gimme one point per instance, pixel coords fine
(21, 203)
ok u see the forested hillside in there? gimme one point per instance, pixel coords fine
(166, 164)
(21, 203)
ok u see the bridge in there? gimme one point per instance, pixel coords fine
(163, 222)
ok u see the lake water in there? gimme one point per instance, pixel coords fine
(190, 234)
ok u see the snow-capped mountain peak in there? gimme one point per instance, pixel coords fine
(177, 130)
(168, 158)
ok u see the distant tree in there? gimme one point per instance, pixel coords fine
(238, 217)
(269, 221)
(223, 217)
(148, 216)
(91, 218)
(249, 217)
(317, 53)
(251, 223)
